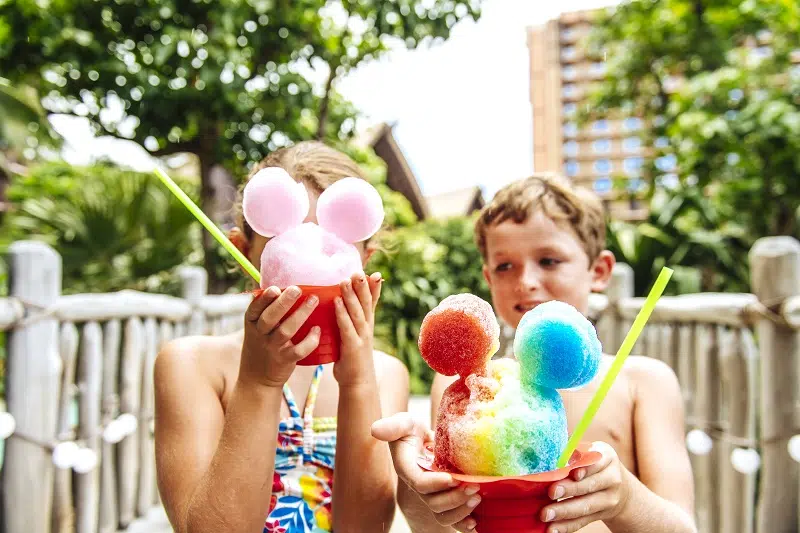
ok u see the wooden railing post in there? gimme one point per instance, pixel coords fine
(610, 327)
(775, 275)
(194, 281)
(32, 390)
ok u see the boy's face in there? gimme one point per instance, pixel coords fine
(536, 261)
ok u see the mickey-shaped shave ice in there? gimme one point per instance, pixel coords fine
(310, 254)
(505, 417)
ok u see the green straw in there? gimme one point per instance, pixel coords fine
(616, 366)
(209, 225)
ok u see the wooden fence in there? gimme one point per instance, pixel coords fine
(76, 363)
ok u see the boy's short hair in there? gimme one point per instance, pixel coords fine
(558, 199)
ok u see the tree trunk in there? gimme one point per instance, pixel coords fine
(325, 104)
(216, 285)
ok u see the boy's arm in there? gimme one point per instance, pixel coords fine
(662, 499)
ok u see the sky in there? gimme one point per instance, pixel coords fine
(461, 109)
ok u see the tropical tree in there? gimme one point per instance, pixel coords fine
(227, 81)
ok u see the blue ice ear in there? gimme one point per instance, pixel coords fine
(557, 347)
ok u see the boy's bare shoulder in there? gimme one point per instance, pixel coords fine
(651, 377)
(387, 366)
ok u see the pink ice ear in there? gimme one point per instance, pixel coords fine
(273, 202)
(351, 209)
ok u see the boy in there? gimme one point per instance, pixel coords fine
(541, 239)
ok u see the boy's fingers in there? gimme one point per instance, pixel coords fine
(573, 525)
(441, 502)
(465, 526)
(569, 489)
(261, 302)
(456, 515)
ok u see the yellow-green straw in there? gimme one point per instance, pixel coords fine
(616, 366)
(209, 225)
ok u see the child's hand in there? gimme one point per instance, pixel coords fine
(268, 355)
(597, 492)
(450, 502)
(355, 315)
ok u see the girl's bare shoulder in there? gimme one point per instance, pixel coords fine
(210, 359)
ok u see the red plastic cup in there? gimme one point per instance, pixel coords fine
(513, 504)
(324, 316)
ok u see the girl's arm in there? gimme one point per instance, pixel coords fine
(364, 481)
(215, 469)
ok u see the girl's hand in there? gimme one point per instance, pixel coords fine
(268, 354)
(355, 315)
(597, 492)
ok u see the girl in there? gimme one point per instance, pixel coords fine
(234, 443)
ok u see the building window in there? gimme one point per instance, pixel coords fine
(570, 129)
(571, 148)
(631, 144)
(669, 181)
(602, 185)
(666, 163)
(570, 91)
(569, 53)
(632, 165)
(570, 109)
(636, 185)
(632, 123)
(569, 73)
(662, 142)
(602, 166)
(597, 69)
(571, 168)
(600, 126)
(601, 146)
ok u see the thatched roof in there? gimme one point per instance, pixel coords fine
(456, 203)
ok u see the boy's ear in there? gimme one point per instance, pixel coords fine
(486, 275)
(601, 270)
(368, 251)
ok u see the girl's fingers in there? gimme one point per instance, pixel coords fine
(343, 318)
(287, 329)
(375, 284)
(465, 526)
(277, 309)
(261, 302)
(353, 306)
(361, 285)
(308, 344)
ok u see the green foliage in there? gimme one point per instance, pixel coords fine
(423, 264)
(716, 88)
(114, 228)
(23, 124)
(227, 80)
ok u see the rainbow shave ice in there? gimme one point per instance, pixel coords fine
(505, 417)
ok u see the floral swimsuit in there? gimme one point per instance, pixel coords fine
(303, 479)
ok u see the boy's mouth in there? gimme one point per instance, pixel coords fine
(526, 306)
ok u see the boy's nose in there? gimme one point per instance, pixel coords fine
(530, 280)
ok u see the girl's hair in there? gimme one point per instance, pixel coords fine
(313, 163)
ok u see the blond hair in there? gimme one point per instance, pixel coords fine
(557, 199)
(311, 162)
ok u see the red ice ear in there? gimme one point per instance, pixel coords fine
(273, 202)
(351, 209)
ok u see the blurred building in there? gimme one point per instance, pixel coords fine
(461, 202)
(560, 76)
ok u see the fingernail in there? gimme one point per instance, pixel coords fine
(548, 517)
(472, 489)
(474, 501)
(471, 524)
(293, 291)
(580, 475)
(558, 493)
(312, 300)
(337, 301)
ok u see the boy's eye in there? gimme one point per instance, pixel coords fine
(549, 262)
(502, 267)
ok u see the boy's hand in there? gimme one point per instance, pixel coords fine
(597, 492)
(450, 502)
(355, 315)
